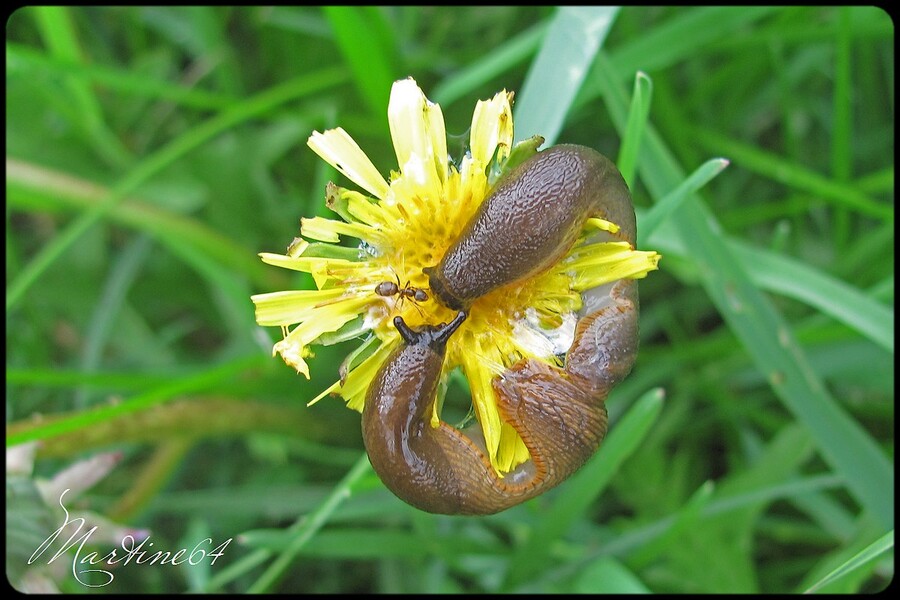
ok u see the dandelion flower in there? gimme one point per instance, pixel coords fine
(406, 223)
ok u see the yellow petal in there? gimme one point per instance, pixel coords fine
(358, 380)
(328, 230)
(324, 268)
(331, 389)
(476, 365)
(492, 129)
(603, 262)
(293, 306)
(371, 213)
(417, 130)
(297, 247)
(339, 150)
(434, 118)
(602, 224)
(292, 353)
(512, 451)
(323, 319)
(472, 180)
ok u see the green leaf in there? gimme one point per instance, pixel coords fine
(871, 553)
(848, 305)
(372, 62)
(494, 62)
(577, 494)
(777, 273)
(156, 162)
(58, 31)
(567, 51)
(608, 576)
(308, 525)
(846, 446)
(634, 130)
(163, 393)
(793, 175)
(21, 59)
(671, 201)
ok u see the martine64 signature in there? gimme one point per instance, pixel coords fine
(131, 551)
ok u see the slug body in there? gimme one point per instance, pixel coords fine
(526, 225)
(396, 420)
(530, 220)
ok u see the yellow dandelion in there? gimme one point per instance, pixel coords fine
(405, 225)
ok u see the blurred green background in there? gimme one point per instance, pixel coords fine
(152, 152)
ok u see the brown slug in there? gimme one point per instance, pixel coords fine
(530, 220)
(527, 224)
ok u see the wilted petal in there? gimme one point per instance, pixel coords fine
(20, 458)
(79, 476)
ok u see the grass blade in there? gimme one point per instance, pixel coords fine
(833, 297)
(584, 487)
(634, 130)
(870, 553)
(685, 34)
(608, 576)
(494, 62)
(846, 446)
(780, 274)
(125, 270)
(842, 134)
(58, 31)
(670, 202)
(309, 525)
(370, 63)
(21, 59)
(573, 38)
(33, 188)
(794, 175)
(682, 35)
(210, 377)
(159, 160)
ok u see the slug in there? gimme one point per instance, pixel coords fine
(524, 227)
(530, 220)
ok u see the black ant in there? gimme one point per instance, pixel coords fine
(389, 288)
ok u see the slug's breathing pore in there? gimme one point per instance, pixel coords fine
(527, 224)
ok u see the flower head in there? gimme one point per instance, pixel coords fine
(407, 223)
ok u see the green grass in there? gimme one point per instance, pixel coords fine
(153, 152)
